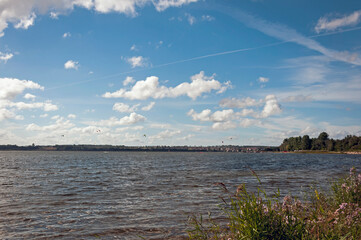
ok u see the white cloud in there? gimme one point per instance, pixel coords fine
(46, 106)
(22, 13)
(128, 80)
(218, 116)
(26, 21)
(122, 107)
(221, 116)
(224, 125)
(10, 87)
(165, 134)
(133, 48)
(4, 57)
(73, 116)
(298, 98)
(247, 122)
(164, 4)
(191, 19)
(227, 119)
(263, 79)
(202, 116)
(160, 125)
(271, 107)
(29, 96)
(239, 103)
(6, 114)
(44, 115)
(207, 18)
(287, 34)
(70, 64)
(246, 112)
(137, 61)
(135, 128)
(150, 88)
(58, 125)
(67, 35)
(133, 118)
(148, 107)
(54, 15)
(326, 24)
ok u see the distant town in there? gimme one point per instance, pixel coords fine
(111, 148)
(321, 144)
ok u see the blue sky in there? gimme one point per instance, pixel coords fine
(178, 72)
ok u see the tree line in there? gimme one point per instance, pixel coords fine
(322, 142)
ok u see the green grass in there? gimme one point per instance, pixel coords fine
(255, 215)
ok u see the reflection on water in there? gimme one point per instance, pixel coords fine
(124, 195)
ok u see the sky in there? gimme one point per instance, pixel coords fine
(178, 72)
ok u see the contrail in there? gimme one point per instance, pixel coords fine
(202, 57)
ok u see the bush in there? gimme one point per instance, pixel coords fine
(255, 215)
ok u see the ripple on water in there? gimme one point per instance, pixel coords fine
(124, 195)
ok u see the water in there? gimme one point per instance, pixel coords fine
(124, 195)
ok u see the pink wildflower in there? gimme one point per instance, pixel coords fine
(352, 171)
(343, 205)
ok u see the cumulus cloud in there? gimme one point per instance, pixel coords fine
(70, 64)
(148, 107)
(133, 118)
(46, 106)
(22, 13)
(247, 122)
(6, 114)
(229, 119)
(60, 123)
(202, 116)
(327, 24)
(137, 61)
(4, 57)
(128, 80)
(73, 116)
(165, 134)
(29, 96)
(239, 103)
(122, 107)
(218, 116)
(263, 79)
(26, 21)
(10, 87)
(150, 88)
(271, 107)
(224, 125)
(135, 128)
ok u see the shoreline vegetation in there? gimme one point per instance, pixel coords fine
(321, 145)
(257, 215)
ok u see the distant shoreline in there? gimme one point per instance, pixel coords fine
(122, 148)
(112, 148)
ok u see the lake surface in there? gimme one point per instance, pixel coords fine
(124, 195)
